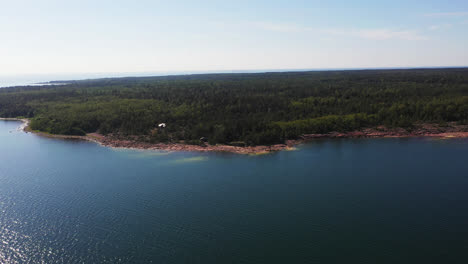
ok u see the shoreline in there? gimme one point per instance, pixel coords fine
(422, 130)
(23, 127)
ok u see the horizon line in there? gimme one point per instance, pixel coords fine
(260, 70)
(50, 78)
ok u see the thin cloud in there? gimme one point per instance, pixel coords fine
(439, 27)
(380, 34)
(447, 14)
(372, 34)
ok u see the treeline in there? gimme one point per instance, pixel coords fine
(261, 108)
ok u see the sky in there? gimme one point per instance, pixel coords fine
(60, 36)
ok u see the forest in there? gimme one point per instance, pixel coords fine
(245, 109)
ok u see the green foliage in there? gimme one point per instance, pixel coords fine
(264, 108)
(326, 124)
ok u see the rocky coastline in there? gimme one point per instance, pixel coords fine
(421, 130)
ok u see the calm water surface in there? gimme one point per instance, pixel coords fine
(331, 201)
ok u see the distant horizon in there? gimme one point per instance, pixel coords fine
(259, 70)
(36, 79)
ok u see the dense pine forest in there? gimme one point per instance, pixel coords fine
(252, 109)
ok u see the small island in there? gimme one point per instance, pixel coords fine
(246, 113)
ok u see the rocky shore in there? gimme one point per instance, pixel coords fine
(422, 130)
(115, 142)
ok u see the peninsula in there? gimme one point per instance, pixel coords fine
(246, 113)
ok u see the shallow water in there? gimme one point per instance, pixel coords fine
(331, 201)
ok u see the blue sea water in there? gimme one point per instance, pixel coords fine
(330, 201)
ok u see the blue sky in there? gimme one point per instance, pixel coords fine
(51, 36)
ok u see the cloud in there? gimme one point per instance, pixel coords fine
(372, 34)
(439, 27)
(447, 14)
(380, 34)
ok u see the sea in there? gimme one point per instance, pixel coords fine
(387, 200)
